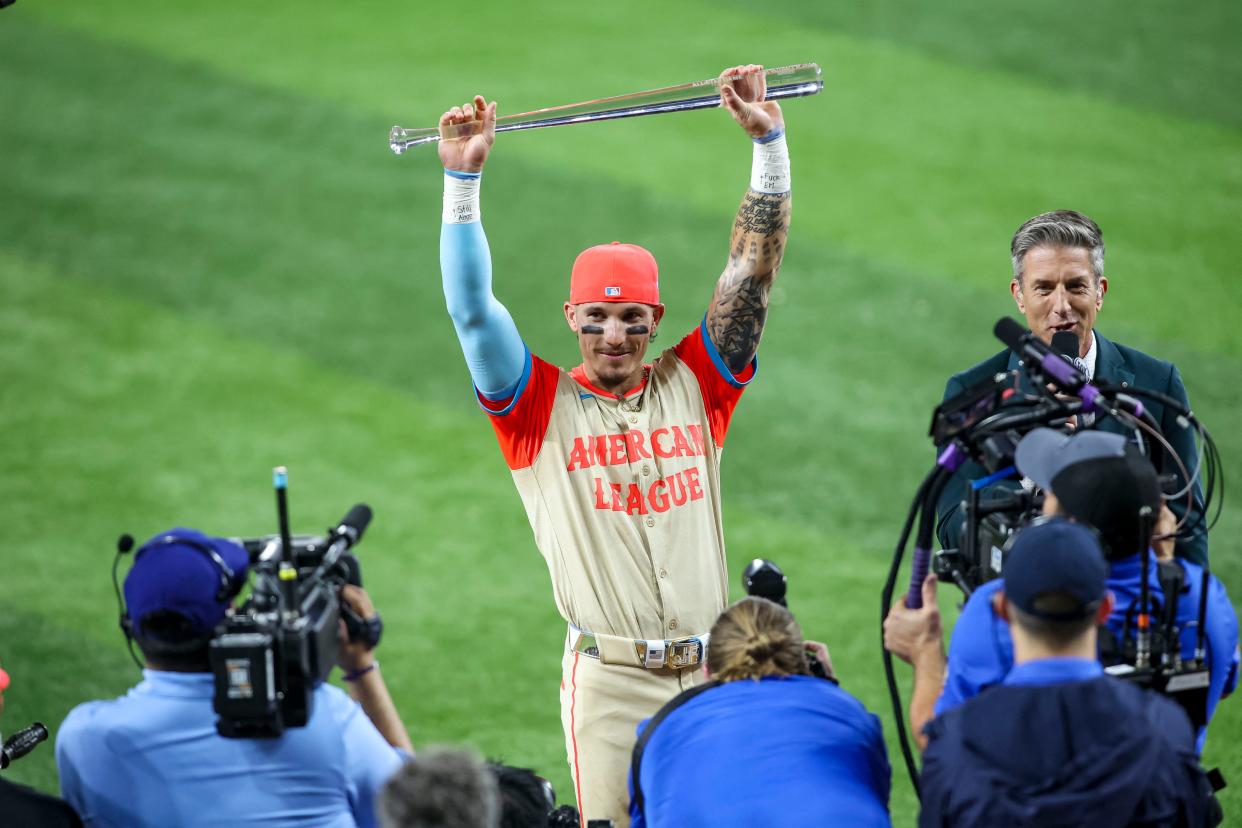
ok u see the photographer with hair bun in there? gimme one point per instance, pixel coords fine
(764, 742)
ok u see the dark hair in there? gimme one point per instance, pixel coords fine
(1058, 633)
(525, 799)
(170, 641)
(442, 788)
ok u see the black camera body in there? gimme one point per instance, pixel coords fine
(269, 656)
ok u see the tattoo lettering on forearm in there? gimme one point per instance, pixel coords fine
(739, 309)
(762, 213)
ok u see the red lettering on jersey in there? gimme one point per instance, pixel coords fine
(581, 457)
(617, 445)
(692, 483)
(635, 501)
(696, 436)
(677, 487)
(681, 448)
(659, 450)
(634, 443)
(617, 505)
(657, 495)
(599, 494)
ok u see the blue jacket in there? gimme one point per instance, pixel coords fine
(1061, 744)
(153, 758)
(778, 751)
(1116, 364)
(981, 650)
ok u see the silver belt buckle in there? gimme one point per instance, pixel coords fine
(684, 652)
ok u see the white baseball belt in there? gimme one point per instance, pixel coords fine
(651, 653)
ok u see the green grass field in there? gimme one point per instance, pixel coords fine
(211, 264)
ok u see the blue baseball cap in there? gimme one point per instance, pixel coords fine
(188, 573)
(1060, 557)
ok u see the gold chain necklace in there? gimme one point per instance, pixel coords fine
(637, 405)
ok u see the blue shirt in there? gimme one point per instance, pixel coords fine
(790, 751)
(153, 758)
(981, 649)
(1043, 672)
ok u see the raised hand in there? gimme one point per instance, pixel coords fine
(742, 91)
(475, 122)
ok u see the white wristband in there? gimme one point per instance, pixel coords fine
(461, 197)
(769, 171)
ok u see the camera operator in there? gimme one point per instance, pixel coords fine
(153, 757)
(1100, 480)
(1059, 285)
(20, 805)
(1058, 742)
(763, 742)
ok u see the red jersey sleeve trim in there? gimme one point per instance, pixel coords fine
(522, 422)
(720, 387)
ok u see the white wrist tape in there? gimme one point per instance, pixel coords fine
(461, 197)
(769, 171)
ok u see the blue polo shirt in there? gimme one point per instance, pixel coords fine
(153, 758)
(981, 649)
(1043, 672)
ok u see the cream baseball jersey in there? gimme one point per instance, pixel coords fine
(623, 493)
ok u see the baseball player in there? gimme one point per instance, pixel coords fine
(617, 460)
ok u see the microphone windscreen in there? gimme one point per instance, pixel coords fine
(358, 519)
(124, 543)
(1010, 332)
(1065, 343)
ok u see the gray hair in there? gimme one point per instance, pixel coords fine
(1060, 228)
(441, 788)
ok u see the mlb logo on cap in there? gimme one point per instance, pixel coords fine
(612, 291)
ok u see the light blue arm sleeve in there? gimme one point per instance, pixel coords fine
(495, 353)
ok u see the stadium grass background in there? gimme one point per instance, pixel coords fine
(211, 265)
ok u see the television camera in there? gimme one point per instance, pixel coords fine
(982, 427)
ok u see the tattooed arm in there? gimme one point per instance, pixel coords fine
(740, 305)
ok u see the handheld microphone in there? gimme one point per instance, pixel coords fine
(21, 743)
(1065, 343)
(1038, 354)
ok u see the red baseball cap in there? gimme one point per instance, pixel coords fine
(615, 273)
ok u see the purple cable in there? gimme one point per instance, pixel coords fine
(951, 459)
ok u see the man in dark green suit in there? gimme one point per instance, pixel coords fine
(1059, 285)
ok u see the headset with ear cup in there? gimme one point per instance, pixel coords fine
(228, 577)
